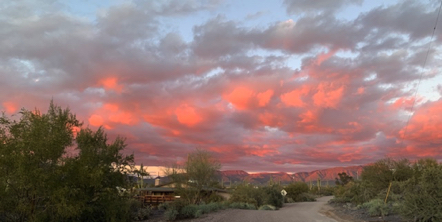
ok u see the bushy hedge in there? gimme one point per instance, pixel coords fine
(414, 193)
(295, 189)
(257, 196)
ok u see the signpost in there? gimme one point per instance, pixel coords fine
(283, 193)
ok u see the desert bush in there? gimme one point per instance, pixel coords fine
(188, 211)
(295, 189)
(267, 207)
(248, 194)
(423, 196)
(326, 191)
(343, 179)
(305, 197)
(245, 206)
(141, 214)
(171, 214)
(273, 196)
(163, 206)
(213, 197)
(377, 207)
(138, 212)
(289, 200)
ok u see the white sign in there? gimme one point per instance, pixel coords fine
(283, 192)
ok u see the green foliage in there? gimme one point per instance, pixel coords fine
(377, 207)
(257, 196)
(415, 189)
(213, 197)
(171, 214)
(343, 179)
(197, 174)
(423, 196)
(42, 181)
(267, 207)
(326, 191)
(245, 206)
(273, 196)
(141, 214)
(295, 189)
(179, 209)
(305, 197)
(188, 211)
(248, 194)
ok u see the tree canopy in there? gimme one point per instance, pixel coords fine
(41, 179)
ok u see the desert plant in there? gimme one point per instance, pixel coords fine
(171, 214)
(295, 189)
(376, 207)
(267, 207)
(273, 196)
(246, 206)
(305, 197)
(188, 211)
(423, 196)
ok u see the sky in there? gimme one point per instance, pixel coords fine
(266, 86)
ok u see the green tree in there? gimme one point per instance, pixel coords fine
(41, 181)
(343, 179)
(196, 175)
(423, 196)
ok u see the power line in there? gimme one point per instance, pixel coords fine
(422, 73)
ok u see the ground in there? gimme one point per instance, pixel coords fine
(319, 211)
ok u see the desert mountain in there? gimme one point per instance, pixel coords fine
(235, 176)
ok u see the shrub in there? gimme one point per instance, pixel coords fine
(141, 214)
(198, 213)
(376, 207)
(267, 207)
(305, 197)
(213, 198)
(163, 206)
(171, 214)
(423, 196)
(273, 196)
(245, 206)
(189, 211)
(248, 194)
(295, 189)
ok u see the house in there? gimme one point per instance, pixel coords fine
(166, 192)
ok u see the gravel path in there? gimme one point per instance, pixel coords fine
(292, 212)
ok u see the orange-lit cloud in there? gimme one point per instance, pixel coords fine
(425, 124)
(264, 97)
(328, 95)
(111, 83)
(187, 115)
(244, 98)
(96, 120)
(295, 97)
(10, 107)
(241, 97)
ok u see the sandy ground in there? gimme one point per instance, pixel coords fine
(318, 211)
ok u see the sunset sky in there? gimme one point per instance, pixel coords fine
(289, 85)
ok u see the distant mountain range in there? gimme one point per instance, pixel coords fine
(327, 176)
(237, 176)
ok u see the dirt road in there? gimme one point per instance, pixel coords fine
(293, 212)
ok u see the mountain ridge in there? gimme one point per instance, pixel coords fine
(325, 175)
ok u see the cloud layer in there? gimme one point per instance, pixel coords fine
(308, 92)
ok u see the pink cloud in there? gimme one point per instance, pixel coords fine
(187, 115)
(10, 107)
